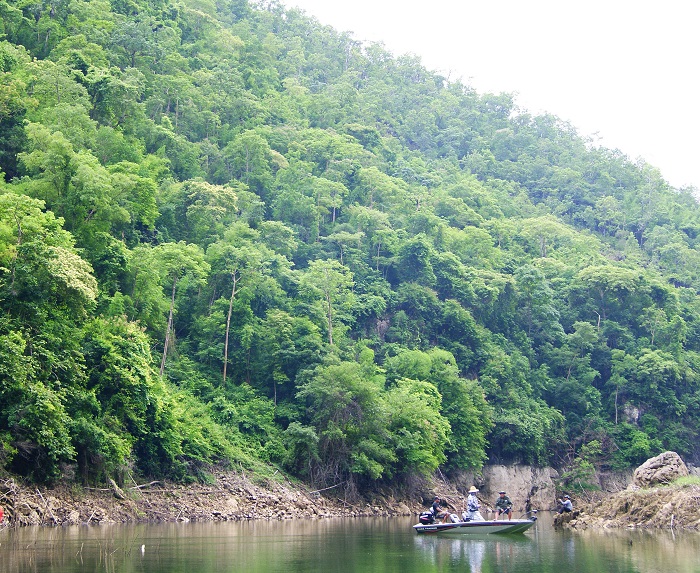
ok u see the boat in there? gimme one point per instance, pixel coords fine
(477, 527)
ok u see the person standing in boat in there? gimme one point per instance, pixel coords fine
(472, 513)
(566, 505)
(503, 505)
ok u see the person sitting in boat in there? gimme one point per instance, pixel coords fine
(503, 505)
(472, 513)
(435, 508)
(565, 505)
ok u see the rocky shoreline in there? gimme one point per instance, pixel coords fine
(231, 497)
(669, 507)
(235, 496)
(664, 494)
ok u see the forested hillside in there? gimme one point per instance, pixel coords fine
(231, 235)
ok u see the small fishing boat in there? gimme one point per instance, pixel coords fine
(477, 527)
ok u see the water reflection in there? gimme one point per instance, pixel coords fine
(647, 551)
(479, 553)
(378, 545)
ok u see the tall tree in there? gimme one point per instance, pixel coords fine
(332, 282)
(172, 262)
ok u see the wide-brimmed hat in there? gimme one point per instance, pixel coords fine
(501, 491)
(472, 489)
(567, 496)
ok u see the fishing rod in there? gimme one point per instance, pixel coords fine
(531, 512)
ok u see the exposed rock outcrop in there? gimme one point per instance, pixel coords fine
(528, 487)
(662, 469)
(659, 507)
(669, 505)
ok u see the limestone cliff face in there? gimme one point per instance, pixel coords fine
(528, 487)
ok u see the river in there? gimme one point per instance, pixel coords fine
(339, 545)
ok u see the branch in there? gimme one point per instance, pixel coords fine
(145, 485)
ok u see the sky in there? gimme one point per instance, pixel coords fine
(624, 72)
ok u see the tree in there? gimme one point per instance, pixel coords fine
(346, 409)
(284, 346)
(40, 261)
(13, 109)
(197, 211)
(415, 261)
(332, 282)
(46, 292)
(537, 304)
(173, 262)
(462, 403)
(610, 284)
(250, 159)
(417, 430)
(241, 259)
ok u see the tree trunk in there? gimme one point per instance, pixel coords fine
(169, 329)
(234, 276)
(330, 319)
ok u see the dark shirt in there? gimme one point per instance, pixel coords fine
(503, 503)
(436, 508)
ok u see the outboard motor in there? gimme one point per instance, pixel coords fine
(426, 518)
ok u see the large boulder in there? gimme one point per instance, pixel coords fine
(662, 469)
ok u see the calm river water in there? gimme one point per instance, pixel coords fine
(338, 545)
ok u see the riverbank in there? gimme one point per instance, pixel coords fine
(229, 497)
(235, 496)
(662, 507)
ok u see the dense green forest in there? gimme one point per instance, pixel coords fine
(230, 235)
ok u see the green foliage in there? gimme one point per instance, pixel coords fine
(348, 264)
(40, 425)
(301, 446)
(369, 431)
(686, 481)
(633, 446)
(100, 453)
(419, 434)
(580, 475)
(462, 402)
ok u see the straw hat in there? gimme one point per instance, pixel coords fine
(472, 489)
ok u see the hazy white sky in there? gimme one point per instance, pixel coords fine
(626, 70)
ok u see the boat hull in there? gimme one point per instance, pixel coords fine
(476, 527)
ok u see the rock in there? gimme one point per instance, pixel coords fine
(658, 507)
(663, 469)
(561, 519)
(73, 518)
(614, 481)
(528, 487)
